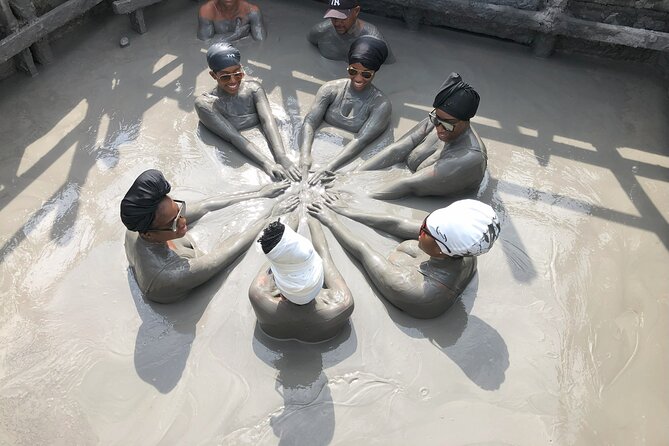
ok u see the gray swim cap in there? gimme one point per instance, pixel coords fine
(222, 55)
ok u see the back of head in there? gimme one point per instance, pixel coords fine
(465, 228)
(138, 207)
(271, 236)
(369, 51)
(222, 55)
(296, 266)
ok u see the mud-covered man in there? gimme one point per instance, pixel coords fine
(230, 20)
(333, 37)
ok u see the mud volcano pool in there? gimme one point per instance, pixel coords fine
(559, 339)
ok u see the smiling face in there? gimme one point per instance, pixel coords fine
(229, 79)
(458, 126)
(161, 227)
(342, 26)
(362, 76)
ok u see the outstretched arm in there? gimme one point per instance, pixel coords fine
(217, 123)
(333, 278)
(273, 135)
(314, 118)
(399, 150)
(404, 228)
(372, 128)
(257, 26)
(198, 209)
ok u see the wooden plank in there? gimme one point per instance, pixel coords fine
(34, 31)
(137, 21)
(128, 6)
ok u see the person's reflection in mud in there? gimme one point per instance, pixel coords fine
(308, 410)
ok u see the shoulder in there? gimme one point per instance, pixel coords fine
(367, 29)
(321, 27)
(252, 85)
(332, 86)
(249, 8)
(208, 11)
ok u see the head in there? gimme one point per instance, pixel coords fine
(296, 266)
(365, 57)
(465, 228)
(454, 105)
(224, 62)
(228, 4)
(147, 209)
(343, 14)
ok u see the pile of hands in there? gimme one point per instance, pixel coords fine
(314, 191)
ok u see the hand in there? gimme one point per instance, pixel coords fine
(273, 190)
(322, 213)
(275, 171)
(339, 202)
(321, 176)
(292, 170)
(285, 206)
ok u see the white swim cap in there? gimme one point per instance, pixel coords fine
(465, 228)
(297, 268)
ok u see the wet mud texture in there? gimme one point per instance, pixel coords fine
(559, 339)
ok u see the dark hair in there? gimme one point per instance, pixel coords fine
(271, 236)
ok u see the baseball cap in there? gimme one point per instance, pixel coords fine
(340, 9)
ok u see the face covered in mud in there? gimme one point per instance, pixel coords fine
(365, 56)
(169, 222)
(229, 79)
(343, 25)
(360, 76)
(427, 243)
(448, 127)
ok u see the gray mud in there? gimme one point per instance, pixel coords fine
(560, 338)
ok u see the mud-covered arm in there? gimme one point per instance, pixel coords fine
(258, 31)
(314, 118)
(376, 123)
(333, 278)
(187, 274)
(217, 123)
(271, 130)
(399, 150)
(401, 227)
(197, 210)
(205, 28)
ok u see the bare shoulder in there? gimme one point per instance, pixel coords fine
(208, 10)
(249, 8)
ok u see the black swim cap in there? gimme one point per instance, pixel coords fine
(457, 98)
(138, 207)
(222, 55)
(369, 51)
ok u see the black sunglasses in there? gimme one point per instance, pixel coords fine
(366, 74)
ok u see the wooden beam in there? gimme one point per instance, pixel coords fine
(34, 31)
(128, 6)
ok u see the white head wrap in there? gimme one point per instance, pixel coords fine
(465, 228)
(297, 268)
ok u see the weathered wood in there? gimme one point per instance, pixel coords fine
(34, 31)
(24, 61)
(9, 24)
(42, 52)
(544, 42)
(536, 21)
(128, 6)
(137, 21)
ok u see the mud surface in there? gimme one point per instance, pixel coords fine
(559, 339)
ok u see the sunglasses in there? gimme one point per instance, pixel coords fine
(448, 124)
(173, 224)
(366, 74)
(226, 77)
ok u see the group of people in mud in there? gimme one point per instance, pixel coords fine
(300, 294)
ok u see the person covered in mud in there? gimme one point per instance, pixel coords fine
(334, 37)
(229, 20)
(353, 104)
(165, 260)
(422, 277)
(444, 153)
(237, 104)
(300, 294)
